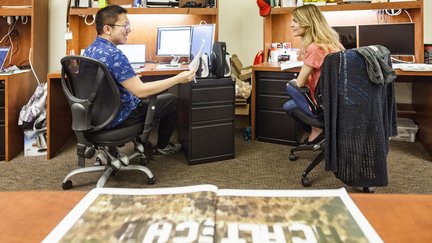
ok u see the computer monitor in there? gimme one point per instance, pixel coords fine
(173, 41)
(397, 37)
(347, 36)
(135, 53)
(3, 54)
(202, 32)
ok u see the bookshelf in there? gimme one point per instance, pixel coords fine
(277, 24)
(30, 32)
(144, 23)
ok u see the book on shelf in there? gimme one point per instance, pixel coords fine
(204, 213)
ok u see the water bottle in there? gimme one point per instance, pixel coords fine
(102, 3)
(137, 3)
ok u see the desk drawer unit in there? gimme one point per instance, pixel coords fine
(2, 120)
(273, 124)
(206, 120)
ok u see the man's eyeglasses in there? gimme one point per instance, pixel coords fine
(125, 26)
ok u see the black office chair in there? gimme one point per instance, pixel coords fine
(94, 99)
(357, 113)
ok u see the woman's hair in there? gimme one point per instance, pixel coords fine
(108, 15)
(317, 30)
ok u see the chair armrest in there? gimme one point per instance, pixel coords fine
(316, 109)
(304, 90)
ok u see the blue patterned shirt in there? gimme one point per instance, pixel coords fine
(121, 70)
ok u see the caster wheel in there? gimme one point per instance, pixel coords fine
(144, 161)
(305, 182)
(368, 189)
(89, 152)
(101, 159)
(293, 157)
(67, 185)
(151, 181)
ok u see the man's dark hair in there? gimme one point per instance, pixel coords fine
(108, 15)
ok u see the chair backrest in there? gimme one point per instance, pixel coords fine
(359, 118)
(91, 91)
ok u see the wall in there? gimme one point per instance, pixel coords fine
(57, 29)
(427, 15)
(241, 27)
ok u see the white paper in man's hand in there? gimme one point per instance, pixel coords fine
(194, 64)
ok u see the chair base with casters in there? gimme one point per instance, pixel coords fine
(305, 181)
(111, 160)
(110, 163)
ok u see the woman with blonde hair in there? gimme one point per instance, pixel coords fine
(318, 39)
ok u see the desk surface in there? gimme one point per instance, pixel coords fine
(275, 67)
(30, 216)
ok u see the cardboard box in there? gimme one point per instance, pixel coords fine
(243, 73)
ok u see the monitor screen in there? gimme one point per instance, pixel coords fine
(347, 36)
(135, 53)
(398, 37)
(202, 32)
(3, 54)
(173, 41)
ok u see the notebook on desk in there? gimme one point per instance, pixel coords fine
(167, 66)
(4, 50)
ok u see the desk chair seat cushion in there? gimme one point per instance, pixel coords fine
(114, 136)
(359, 118)
(306, 118)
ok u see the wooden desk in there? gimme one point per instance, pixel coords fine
(419, 111)
(30, 216)
(59, 118)
(17, 90)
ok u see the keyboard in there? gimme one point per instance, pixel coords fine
(413, 67)
(167, 66)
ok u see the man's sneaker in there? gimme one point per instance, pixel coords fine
(171, 148)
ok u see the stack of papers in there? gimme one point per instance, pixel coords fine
(167, 66)
(290, 64)
(413, 67)
(204, 213)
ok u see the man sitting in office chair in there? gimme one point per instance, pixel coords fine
(113, 27)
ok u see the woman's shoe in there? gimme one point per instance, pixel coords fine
(318, 139)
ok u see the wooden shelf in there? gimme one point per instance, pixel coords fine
(144, 24)
(190, 11)
(19, 87)
(405, 110)
(16, 12)
(358, 6)
(277, 29)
